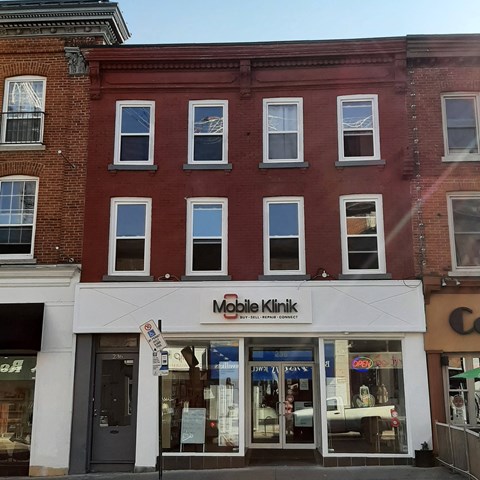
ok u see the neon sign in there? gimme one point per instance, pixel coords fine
(362, 364)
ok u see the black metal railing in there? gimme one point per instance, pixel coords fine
(22, 127)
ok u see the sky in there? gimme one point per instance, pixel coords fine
(224, 21)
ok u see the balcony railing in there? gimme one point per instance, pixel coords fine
(22, 127)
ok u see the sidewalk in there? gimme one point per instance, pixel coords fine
(281, 473)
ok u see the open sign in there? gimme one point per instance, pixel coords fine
(362, 364)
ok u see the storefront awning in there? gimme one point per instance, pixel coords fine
(21, 326)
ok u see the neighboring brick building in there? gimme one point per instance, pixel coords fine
(43, 150)
(444, 112)
(256, 199)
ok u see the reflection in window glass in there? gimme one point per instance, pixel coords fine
(17, 383)
(208, 130)
(364, 386)
(201, 397)
(461, 125)
(466, 229)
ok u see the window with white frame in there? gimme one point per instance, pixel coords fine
(207, 236)
(208, 132)
(461, 126)
(18, 201)
(23, 110)
(363, 245)
(284, 239)
(282, 130)
(130, 222)
(464, 226)
(358, 128)
(134, 132)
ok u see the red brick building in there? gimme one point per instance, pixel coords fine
(44, 89)
(255, 198)
(443, 104)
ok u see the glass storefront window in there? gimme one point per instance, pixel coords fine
(365, 396)
(17, 382)
(201, 397)
(463, 393)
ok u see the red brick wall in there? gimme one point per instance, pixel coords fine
(61, 187)
(437, 178)
(246, 185)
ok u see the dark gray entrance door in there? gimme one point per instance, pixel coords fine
(115, 406)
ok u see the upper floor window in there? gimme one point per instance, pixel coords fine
(18, 200)
(282, 130)
(134, 133)
(363, 245)
(464, 226)
(23, 110)
(206, 236)
(358, 129)
(460, 126)
(208, 132)
(129, 252)
(284, 239)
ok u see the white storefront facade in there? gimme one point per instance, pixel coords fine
(336, 368)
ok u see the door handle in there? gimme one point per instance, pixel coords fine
(114, 431)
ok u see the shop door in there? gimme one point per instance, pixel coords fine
(282, 400)
(114, 413)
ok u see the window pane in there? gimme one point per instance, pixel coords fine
(357, 115)
(135, 119)
(466, 215)
(22, 128)
(207, 221)
(283, 219)
(282, 146)
(208, 148)
(467, 248)
(131, 220)
(365, 382)
(134, 149)
(358, 144)
(284, 254)
(208, 120)
(362, 244)
(282, 118)
(461, 125)
(15, 240)
(25, 96)
(202, 375)
(207, 255)
(362, 261)
(130, 255)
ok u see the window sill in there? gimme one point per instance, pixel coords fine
(365, 276)
(114, 167)
(18, 261)
(208, 166)
(359, 163)
(205, 278)
(127, 278)
(267, 165)
(284, 277)
(468, 273)
(21, 147)
(461, 157)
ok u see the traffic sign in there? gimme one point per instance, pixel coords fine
(153, 335)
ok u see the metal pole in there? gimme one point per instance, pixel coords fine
(160, 402)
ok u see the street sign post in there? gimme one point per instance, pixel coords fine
(157, 343)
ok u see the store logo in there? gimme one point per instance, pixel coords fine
(14, 367)
(456, 321)
(231, 307)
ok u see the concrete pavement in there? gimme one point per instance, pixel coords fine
(282, 473)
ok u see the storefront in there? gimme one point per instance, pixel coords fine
(36, 366)
(334, 368)
(453, 348)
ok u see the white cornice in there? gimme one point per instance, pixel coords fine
(38, 275)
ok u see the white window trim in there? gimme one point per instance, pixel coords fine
(376, 127)
(24, 256)
(301, 235)
(23, 78)
(191, 202)
(460, 157)
(191, 120)
(118, 131)
(456, 269)
(380, 234)
(283, 101)
(113, 236)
